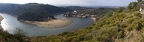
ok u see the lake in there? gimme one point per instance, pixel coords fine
(10, 23)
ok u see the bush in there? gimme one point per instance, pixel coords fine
(131, 20)
(120, 9)
(132, 5)
(75, 40)
(88, 37)
(137, 14)
(122, 25)
(129, 28)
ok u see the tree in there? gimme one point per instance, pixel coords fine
(120, 9)
(139, 0)
(20, 32)
(132, 5)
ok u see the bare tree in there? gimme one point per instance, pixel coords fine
(19, 31)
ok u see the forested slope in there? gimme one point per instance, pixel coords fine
(39, 12)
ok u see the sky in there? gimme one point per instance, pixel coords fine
(74, 2)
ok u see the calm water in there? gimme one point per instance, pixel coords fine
(10, 23)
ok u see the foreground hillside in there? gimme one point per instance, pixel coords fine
(34, 11)
(121, 26)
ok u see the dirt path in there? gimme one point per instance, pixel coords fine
(142, 12)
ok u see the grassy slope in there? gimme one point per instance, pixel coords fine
(118, 27)
(123, 26)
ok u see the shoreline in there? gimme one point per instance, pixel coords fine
(93, 18)
(52, 23)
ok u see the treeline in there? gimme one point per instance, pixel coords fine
(96, 11)
(36, 16)
(77, 8)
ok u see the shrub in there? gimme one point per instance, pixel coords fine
(131, 20)
(137, 14)
(132, 5)
(75, 40)
(129, 28)
(88, 37)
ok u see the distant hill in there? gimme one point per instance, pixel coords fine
(96, 11)
(37, 11)
(76, 7)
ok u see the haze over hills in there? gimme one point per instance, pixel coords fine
(36, 10)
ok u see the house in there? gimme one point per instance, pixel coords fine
(140, 10)
(74, 12)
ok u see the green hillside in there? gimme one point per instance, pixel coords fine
(121, 26)
(35, 11)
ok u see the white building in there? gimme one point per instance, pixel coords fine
(140, 10)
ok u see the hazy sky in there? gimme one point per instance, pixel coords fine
(74, 2)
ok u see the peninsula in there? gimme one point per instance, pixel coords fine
(34, 13)
(52, 23)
